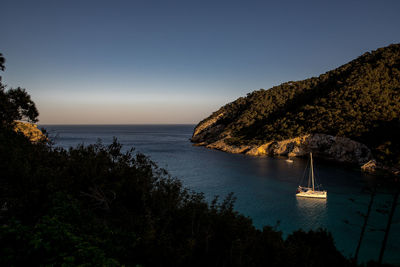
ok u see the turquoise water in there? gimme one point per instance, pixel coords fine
(264, 187)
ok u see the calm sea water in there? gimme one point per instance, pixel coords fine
(264, 187)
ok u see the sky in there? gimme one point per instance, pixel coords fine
(172, 62)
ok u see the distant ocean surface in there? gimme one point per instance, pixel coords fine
(264, 187)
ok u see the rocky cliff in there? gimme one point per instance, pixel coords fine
(30, 130)
(329, 147)
(350, 114)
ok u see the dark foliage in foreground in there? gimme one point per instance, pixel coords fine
(98, 206)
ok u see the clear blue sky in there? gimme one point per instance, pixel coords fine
(100, 62)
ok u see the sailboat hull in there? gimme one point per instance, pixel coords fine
(312, 194)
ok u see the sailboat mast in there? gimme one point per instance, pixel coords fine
(312, 172)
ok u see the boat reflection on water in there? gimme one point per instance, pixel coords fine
(312, 211)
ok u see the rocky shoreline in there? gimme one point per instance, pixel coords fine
(327, 147)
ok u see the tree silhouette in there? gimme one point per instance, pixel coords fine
(390, 219)
(15, 104)
(2, 61)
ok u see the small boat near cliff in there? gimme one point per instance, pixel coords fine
(310, 190)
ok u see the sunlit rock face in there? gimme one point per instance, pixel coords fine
(30, 130)
(321, 145)
(207, 128)
(377, 168)
(371, 166)
(211, 133)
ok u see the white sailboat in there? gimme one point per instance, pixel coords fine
(310, 191)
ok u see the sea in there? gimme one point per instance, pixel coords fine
(264, 187)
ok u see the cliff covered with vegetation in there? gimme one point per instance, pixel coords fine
(359, 100)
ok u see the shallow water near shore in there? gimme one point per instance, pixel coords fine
(264, 187)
